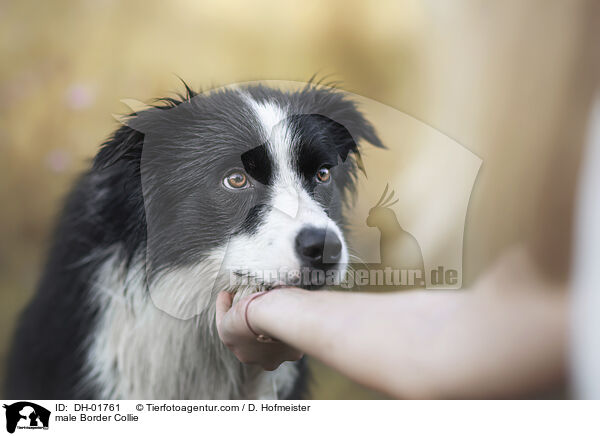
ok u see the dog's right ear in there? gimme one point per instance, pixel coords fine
(124, 145)
(127, 142)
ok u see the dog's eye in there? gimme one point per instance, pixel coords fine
(236, 180)
(323, 175)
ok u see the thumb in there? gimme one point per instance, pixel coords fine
(224, 301)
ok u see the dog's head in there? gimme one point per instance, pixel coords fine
(251, 182)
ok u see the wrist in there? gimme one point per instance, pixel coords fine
(254, 314)
(263, 312)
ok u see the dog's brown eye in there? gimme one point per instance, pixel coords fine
(323, 175)
(236, 180)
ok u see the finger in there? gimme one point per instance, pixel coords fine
(224, 301)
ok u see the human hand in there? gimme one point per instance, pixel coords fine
(235, 333)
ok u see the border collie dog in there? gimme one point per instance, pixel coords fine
(186, 198)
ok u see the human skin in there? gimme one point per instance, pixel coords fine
(504, 337)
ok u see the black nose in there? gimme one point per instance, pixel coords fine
(318, 248)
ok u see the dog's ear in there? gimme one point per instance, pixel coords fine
(347, 124)
(124, 145)
(339, 107)
(348, 128)
(351, 124)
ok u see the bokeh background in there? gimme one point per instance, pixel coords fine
(511, 81)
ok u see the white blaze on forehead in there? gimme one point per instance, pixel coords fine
(278, 137)
(273, 123)
(269, 114)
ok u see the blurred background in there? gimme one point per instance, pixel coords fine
(511, 81)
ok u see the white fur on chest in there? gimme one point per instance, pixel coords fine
(140, 352)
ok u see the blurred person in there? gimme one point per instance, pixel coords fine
(585, 340)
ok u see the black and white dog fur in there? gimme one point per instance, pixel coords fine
(240, 179)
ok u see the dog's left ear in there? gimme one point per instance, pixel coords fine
(346, 143)
(351, 124)
(349, 129)
(346, 123)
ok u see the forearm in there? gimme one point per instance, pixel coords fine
(371, 338)
(424, 344)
